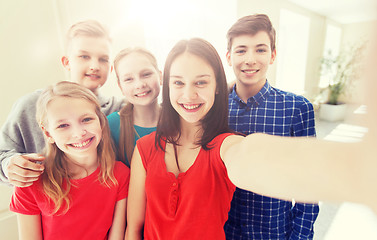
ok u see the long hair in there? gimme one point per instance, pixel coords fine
(251, 25)
(127, 130)
(56, 177)
(216, 120)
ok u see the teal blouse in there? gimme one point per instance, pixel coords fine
(114, 124)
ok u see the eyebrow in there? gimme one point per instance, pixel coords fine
(86, 52)
(198, 76)
(258, 45)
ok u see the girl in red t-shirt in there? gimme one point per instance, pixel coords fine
(82, 193)
(180, 184)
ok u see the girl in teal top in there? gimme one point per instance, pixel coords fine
(139, 79)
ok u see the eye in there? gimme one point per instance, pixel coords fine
(146, 75)
(178, 83)
(104, 60)
(240, 51)
(127, 79)
(61, 126)
(84, 57)
(261, 50)
(88, 119)
(201, 83)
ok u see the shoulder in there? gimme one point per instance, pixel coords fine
(110, 104)
(27, 103)
(147, 139)
(298, 101)
(114, 118)
(120, 169)
(217, 141)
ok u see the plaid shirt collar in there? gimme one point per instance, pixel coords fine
(257, 99)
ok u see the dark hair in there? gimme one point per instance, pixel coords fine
(252, 24)
(216, 120)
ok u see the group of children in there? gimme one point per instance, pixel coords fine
(189, 163)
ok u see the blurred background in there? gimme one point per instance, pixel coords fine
(32, 39)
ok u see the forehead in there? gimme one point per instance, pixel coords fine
(191, 65)
(95, 45)
(247, 40)
(133, 62)
(67, 107)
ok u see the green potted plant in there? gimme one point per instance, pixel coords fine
(341, 71)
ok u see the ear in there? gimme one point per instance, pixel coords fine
(65, 62)
(273, 56)
(228, 58)
(48, 135)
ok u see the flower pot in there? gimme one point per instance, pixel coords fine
(332, 113)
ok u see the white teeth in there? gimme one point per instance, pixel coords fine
(83, 144)
(250, 71)
(142, 94)
(190, 107)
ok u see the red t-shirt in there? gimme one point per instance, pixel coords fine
(194, 205)
(92, 206)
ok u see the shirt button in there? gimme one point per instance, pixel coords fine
(174, 184)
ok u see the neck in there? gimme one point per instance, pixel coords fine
(82, 167)
(146, 116)
(246, 91)
(190, 133)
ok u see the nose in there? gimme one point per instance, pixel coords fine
(190, 92)
(79, 131)
(250, 58)
(94, 65)
(140, 83)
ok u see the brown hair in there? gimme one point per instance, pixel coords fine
(127, 130)
(56, 178)
(252, 24)
(216, 120)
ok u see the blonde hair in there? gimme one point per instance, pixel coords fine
(127, 130)
(56, 178)
(88, 28)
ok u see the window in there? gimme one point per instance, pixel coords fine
(332, 46)
(292, 48)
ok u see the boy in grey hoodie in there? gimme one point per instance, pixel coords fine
(87, 58)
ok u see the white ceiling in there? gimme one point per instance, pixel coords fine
(342, 11)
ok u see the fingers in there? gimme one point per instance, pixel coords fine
(23, 170)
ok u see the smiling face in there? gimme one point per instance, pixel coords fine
(73, 125)
(192, 87)
(139, 80)
(88, 60)
(250, 57)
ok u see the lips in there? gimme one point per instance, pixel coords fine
(191, 107)
(143, 94)
(93, 76)
(249, 71)
(82, 144)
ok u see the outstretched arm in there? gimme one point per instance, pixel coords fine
(136, 199)
(275, 166)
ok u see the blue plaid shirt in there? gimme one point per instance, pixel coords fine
(253, 216)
